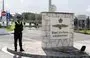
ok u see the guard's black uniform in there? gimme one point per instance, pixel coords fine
(18, 35)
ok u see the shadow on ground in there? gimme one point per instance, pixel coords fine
(54, 53)
(70, 52)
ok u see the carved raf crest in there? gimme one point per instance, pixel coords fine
(60, 26)
(60, 20)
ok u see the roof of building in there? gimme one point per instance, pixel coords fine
(59, 12)
(82, 17)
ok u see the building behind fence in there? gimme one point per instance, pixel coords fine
(82, 22)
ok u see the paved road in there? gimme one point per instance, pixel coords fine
(30, 35)
(7, 40)
(81, 37)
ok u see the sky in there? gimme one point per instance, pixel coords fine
(37, 6)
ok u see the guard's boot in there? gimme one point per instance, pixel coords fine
(21, 50)
(15, 49)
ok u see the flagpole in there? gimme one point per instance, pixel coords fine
(3, 6)
(50, 2)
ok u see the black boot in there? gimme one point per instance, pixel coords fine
(15, 49)
(21, 50)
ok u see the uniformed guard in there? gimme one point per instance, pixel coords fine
(18, 34)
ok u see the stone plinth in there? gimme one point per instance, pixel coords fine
(57, 29)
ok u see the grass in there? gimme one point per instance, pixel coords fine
(10, 27)
(85, 31)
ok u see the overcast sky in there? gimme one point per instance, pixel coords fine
(37, 6)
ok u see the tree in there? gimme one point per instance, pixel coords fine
(76, 22)
(87, 23)
(39, 18)
(28, 16)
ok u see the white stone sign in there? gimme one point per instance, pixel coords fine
(60, 27)
(4, 21)
(57, 29)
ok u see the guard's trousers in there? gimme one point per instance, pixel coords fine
(18, 36)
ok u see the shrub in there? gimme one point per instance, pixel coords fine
(0, 26)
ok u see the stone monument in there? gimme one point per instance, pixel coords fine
(57, 30)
